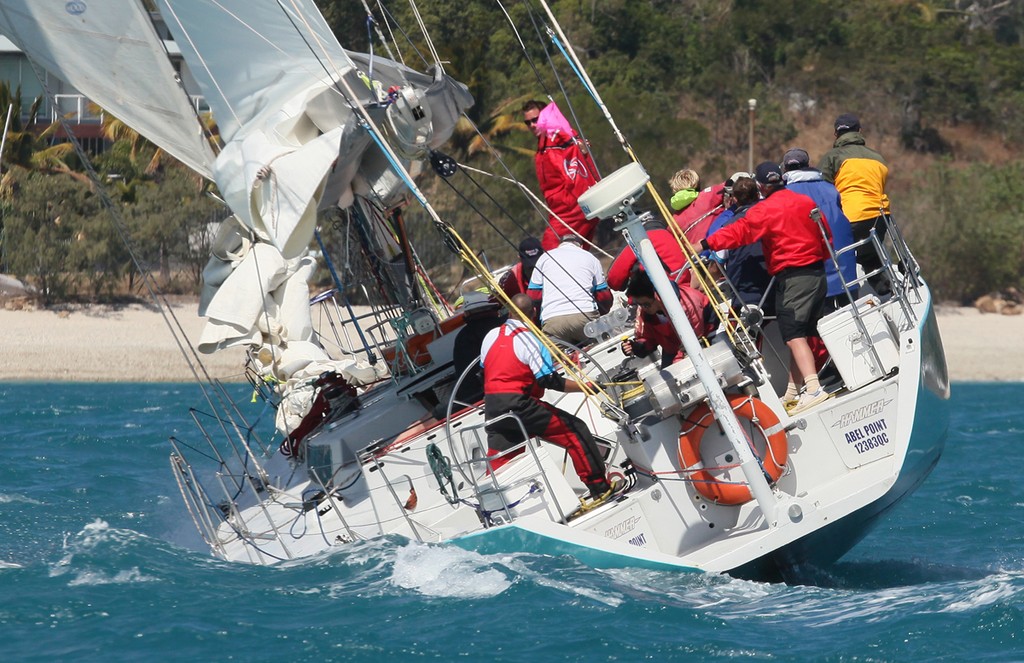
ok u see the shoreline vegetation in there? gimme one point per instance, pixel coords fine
(132, 343)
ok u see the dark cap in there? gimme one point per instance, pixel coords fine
(768, 174)
(847, 122)
(529, 250)
(795, 159)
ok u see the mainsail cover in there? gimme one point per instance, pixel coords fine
(110, 52)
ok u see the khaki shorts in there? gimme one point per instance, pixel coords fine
(569, 327)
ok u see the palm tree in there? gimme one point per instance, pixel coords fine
(26, 148)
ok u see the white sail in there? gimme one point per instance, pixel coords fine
(291, 105)
(111, 53)
(286, 97)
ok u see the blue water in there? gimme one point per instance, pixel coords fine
(99, 561)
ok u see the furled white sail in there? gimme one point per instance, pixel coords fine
(110, 52)
(291, 106)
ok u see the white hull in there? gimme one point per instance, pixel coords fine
(850, 460)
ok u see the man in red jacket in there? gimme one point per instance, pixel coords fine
(666, 246)
(653, 327)
(565, 170)
(795, 252)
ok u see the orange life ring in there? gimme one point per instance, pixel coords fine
(745, 407)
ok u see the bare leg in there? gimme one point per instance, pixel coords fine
(801, 364)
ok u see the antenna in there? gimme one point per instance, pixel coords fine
(616, 193)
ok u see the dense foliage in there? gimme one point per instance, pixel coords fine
(60, 235)
(939, 87)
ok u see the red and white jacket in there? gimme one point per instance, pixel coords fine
(564, 171)
(514, 360)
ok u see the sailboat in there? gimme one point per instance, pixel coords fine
(376, 438)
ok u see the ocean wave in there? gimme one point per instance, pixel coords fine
(96, 539)
(447, 571)
(997, 588)
(124, 577)
(8, 499)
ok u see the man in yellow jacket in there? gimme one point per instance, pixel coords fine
(859, 173)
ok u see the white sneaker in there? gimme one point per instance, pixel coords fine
(809, 400)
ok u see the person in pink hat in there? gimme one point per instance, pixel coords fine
(565, 170)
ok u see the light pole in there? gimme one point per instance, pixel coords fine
(752, 105)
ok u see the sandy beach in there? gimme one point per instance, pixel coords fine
(134, 344)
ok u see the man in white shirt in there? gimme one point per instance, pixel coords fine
(568, 288)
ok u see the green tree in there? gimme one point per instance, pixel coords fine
(44, 221)
(24, 147)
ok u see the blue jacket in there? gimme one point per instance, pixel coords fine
(745, 269)
(812, 184)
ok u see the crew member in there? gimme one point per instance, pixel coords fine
(654, 329)
(565, 169)
(517, 279)
(517, 369)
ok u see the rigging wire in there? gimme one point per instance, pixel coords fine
(505, 237)
(387, 24)
(426, 36)
(188, 351)
(408, 39)
(700, 270)
(522, 46)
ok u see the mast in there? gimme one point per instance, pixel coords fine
(633, 228)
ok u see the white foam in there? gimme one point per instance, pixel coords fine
(447, 571)
(9, 565)
(585, 587)
(124, 577)
(991, 590)
(94, 534)
(8, 499)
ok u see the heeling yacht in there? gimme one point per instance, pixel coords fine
(688, 498)
(713, 473)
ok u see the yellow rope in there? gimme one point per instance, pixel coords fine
(589, 389)
(707, 284)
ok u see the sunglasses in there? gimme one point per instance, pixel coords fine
(530, 122)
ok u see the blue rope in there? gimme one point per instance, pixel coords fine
(572, 65)
(487, 514)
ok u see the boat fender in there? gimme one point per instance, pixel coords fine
(772, 463)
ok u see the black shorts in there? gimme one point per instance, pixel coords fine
(800, 300)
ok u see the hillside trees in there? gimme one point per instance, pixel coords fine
(677, 74)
